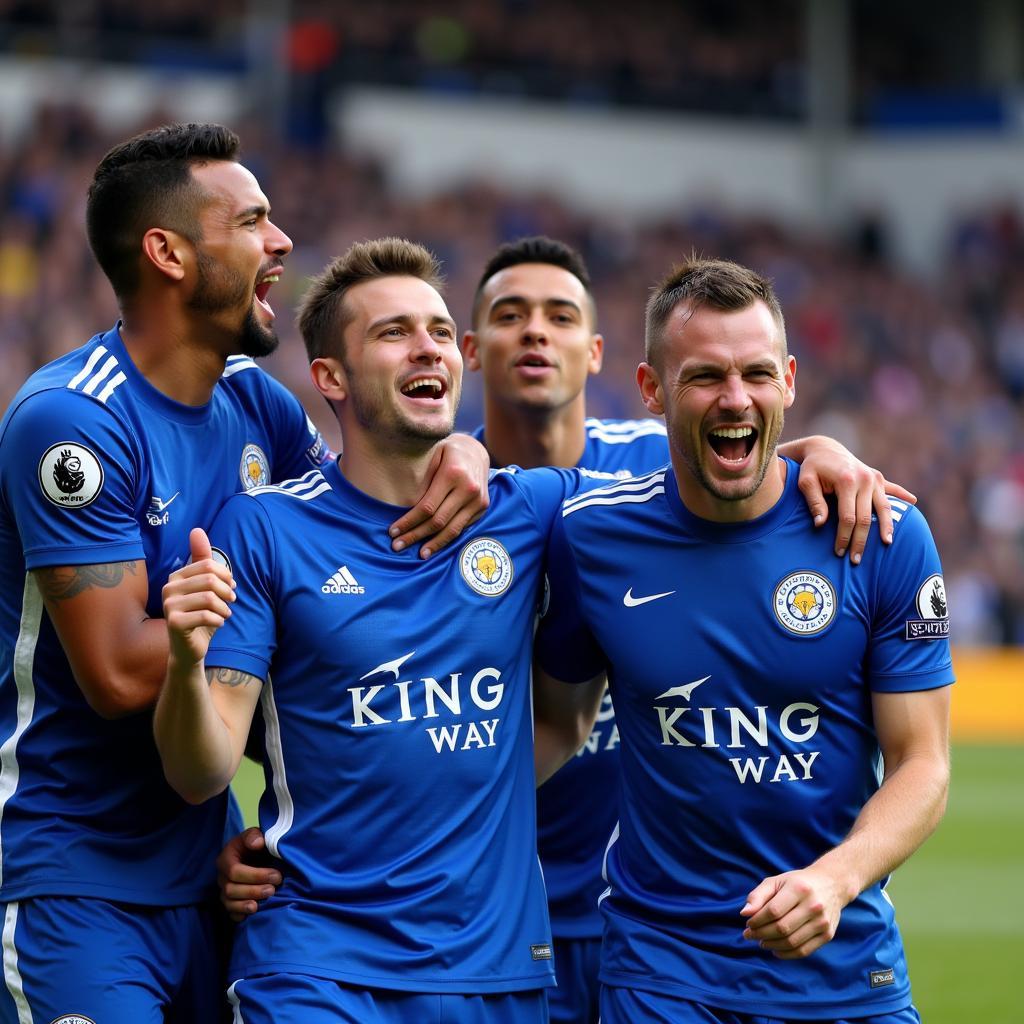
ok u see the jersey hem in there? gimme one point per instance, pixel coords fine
(463, 986)
(112, 893)
(796, 1009)
(83, 554)
(910, 682)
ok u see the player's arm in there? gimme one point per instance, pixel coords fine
(118, 654)
(456, 496)
(827, 467)
(795, 913)
(563, 715)
(202, 718)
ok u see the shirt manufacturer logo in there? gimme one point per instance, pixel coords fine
(157, 514)
(634, 602)
(884, 977)
(342, 582)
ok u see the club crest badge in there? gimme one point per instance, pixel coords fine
(933, 623)
(486, 566)
(70, 475)
(805, 603)
(72, 1018)
(254, 468)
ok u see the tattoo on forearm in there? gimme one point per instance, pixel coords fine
(229, 677)
(66, 581)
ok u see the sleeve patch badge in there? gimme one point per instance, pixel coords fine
(933, 623)
(70, 475)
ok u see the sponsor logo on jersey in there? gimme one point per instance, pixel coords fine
(70, 475)
(157, 514)
(453, 698)
(342, 582)
(72, 1018)
(254, 468)
(805, 603)
(486, 566)
(883, 977)
(933, 623)
(735, 729)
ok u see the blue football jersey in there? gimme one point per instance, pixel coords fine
(578, 806)
(98, 466)
(399, 755)
(741, 660)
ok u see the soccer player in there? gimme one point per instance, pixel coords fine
(534, 340)
(107, 457)
(395, 692)
(756, 682)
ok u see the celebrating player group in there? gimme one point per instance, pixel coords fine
(737, 720)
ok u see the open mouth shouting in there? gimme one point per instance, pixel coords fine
(267, 279)
(733, 446)
(427, 389)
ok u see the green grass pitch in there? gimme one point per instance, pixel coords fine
(959, 900)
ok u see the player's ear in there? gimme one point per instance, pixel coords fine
(471, 351)
(650, 389)
(596, 353)
(328, 376)
(790, 379)
(167, 251)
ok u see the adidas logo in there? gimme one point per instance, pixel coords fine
(342, 582)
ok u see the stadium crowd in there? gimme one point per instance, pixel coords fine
(921, 377)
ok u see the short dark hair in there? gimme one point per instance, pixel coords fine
(717, 284)
(535, 249)
(322, 316)
(147, 182)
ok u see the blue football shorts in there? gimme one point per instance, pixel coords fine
(304, 999)
(575, 1000)
(77, 960)
(631, 1005)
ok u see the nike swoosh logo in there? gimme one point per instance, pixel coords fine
(634, 602)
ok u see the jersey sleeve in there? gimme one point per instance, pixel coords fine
(298, 444)
(910, 632)
(545, 489)
(70, 476)
(564, 645)
(243, 536)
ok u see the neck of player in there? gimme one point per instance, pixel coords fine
(529, 436)
(167, 355)
(395, 474)
(723, 507)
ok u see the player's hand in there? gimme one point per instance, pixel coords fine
(829, 468)
(196, 601)
(245, 880)
(795, 913)
(455, 497)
